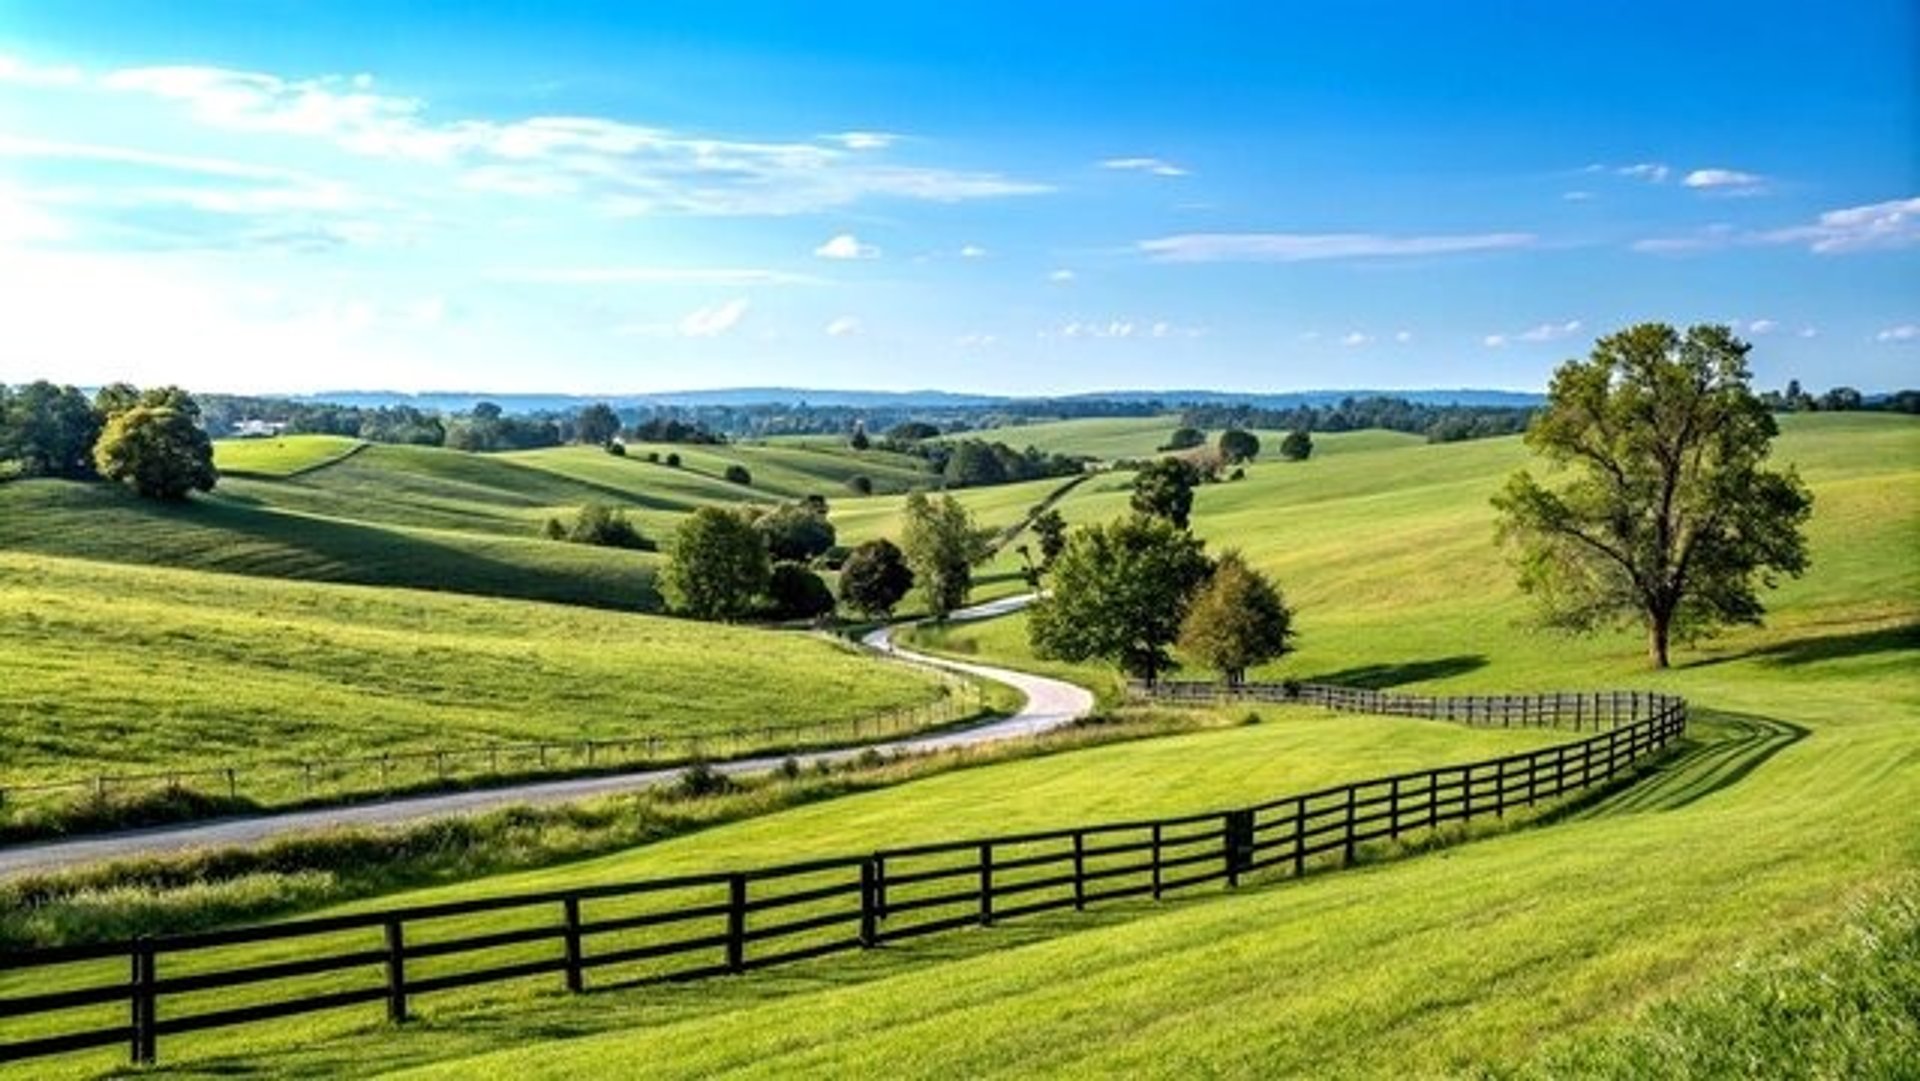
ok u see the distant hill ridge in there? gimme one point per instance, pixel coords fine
(454, 401)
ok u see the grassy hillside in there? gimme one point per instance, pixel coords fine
(282, 456)
(106, 668)
(235, 532)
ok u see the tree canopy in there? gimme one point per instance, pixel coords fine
(1164, 489)
(1119, 593)
(797, 532)
(1237, 621)
(596, 424)
(717, 566)
(942, 545)
(158, 450)
(1669, 517)
(875, 577)
(1237, 445)
(1297, 446)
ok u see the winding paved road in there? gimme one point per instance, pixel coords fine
(1050, 703)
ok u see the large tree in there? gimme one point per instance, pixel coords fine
(1669, 517)
(1237, 445)
(158, 450)
(49, 430)
(942, 545)
(1238, 620)
(796, 532)
(1297, 446)
(717, 566)
(597, 424)
(1164, 489)
(875, 577)
(1120, 591)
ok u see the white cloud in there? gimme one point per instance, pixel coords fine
(1545, 332)
(845, 326)
(1905, 332)
(1156, 166)
(625, 168)
(1875, 227)
(1301, 247)
(846, 246)
(1652, 172)
(1061, 276)
(1403, 336)
(1576, 196)
(973, 251)
(1115, 328)
(1809, 332)
(1762, 326)
(1355, 339)
(864, 140)
(1725, 181)
(713, 321)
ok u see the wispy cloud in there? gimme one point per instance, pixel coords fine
(1156, 166)
(713, 321)
(1653, 172)
(622, 167)
(846, 246)
(22, 73)
(1905, 332)
(1725, 181)
(1302, 247)
(973, 251)
(1762, 326)
(1876, 226)
(1355, 339)
(1061, 276)
(845, 326)
(1545, 332)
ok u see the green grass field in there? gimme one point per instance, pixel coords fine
(281, 456)
(111, 668)
(1796, 798)
(1115, 438)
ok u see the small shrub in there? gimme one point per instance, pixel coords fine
(870, 759)
(555, 530)
(653, 456)
(701, 780)
(737, 474)
(601, 525)
(1239, 473)
(673, 459)
(794, 592)
(790, 769)
(861, 484)
(1252, 718)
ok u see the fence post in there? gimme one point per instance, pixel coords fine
(233, 785)
(869, 902)
(1466, 792)
(142, 1002)
(1433, 799)
(570, 909)
(1393, 810)
(1350, 798)
(396, 971)
(1500, 790)
(1079, 871)
(986, 883)
(736, 922)
(879, 886)
(1156, 861)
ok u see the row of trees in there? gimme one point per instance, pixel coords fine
(1439, 423)
(151, 440)
(1795, 399)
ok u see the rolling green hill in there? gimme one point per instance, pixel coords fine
(1114, 438)
(282, 456)
(1795, 799)
(112, 668)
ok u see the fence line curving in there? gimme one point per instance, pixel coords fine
(131, 993)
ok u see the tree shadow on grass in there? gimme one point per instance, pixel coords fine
(1380, 677)
(1812, 649)
(1719, 751)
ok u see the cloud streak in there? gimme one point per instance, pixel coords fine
(1307, 247)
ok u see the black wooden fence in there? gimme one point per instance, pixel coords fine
(694, 926)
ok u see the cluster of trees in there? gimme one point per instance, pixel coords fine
(1439, 423)
(151, 440)
(599, 524)
(1795, 399)
(732, 564)
(975, 463)
(487, 428)
(1130, 591)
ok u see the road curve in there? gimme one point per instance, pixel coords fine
(1050, 703)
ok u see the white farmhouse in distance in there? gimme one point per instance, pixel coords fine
(259, 429)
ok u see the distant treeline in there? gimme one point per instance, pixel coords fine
(1794, 399)
(1439, 423)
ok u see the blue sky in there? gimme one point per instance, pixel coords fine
(1026, 198)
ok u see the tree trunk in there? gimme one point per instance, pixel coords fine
(1659, 629)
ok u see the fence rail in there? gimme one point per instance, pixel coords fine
(131, 993)
(369, 775)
